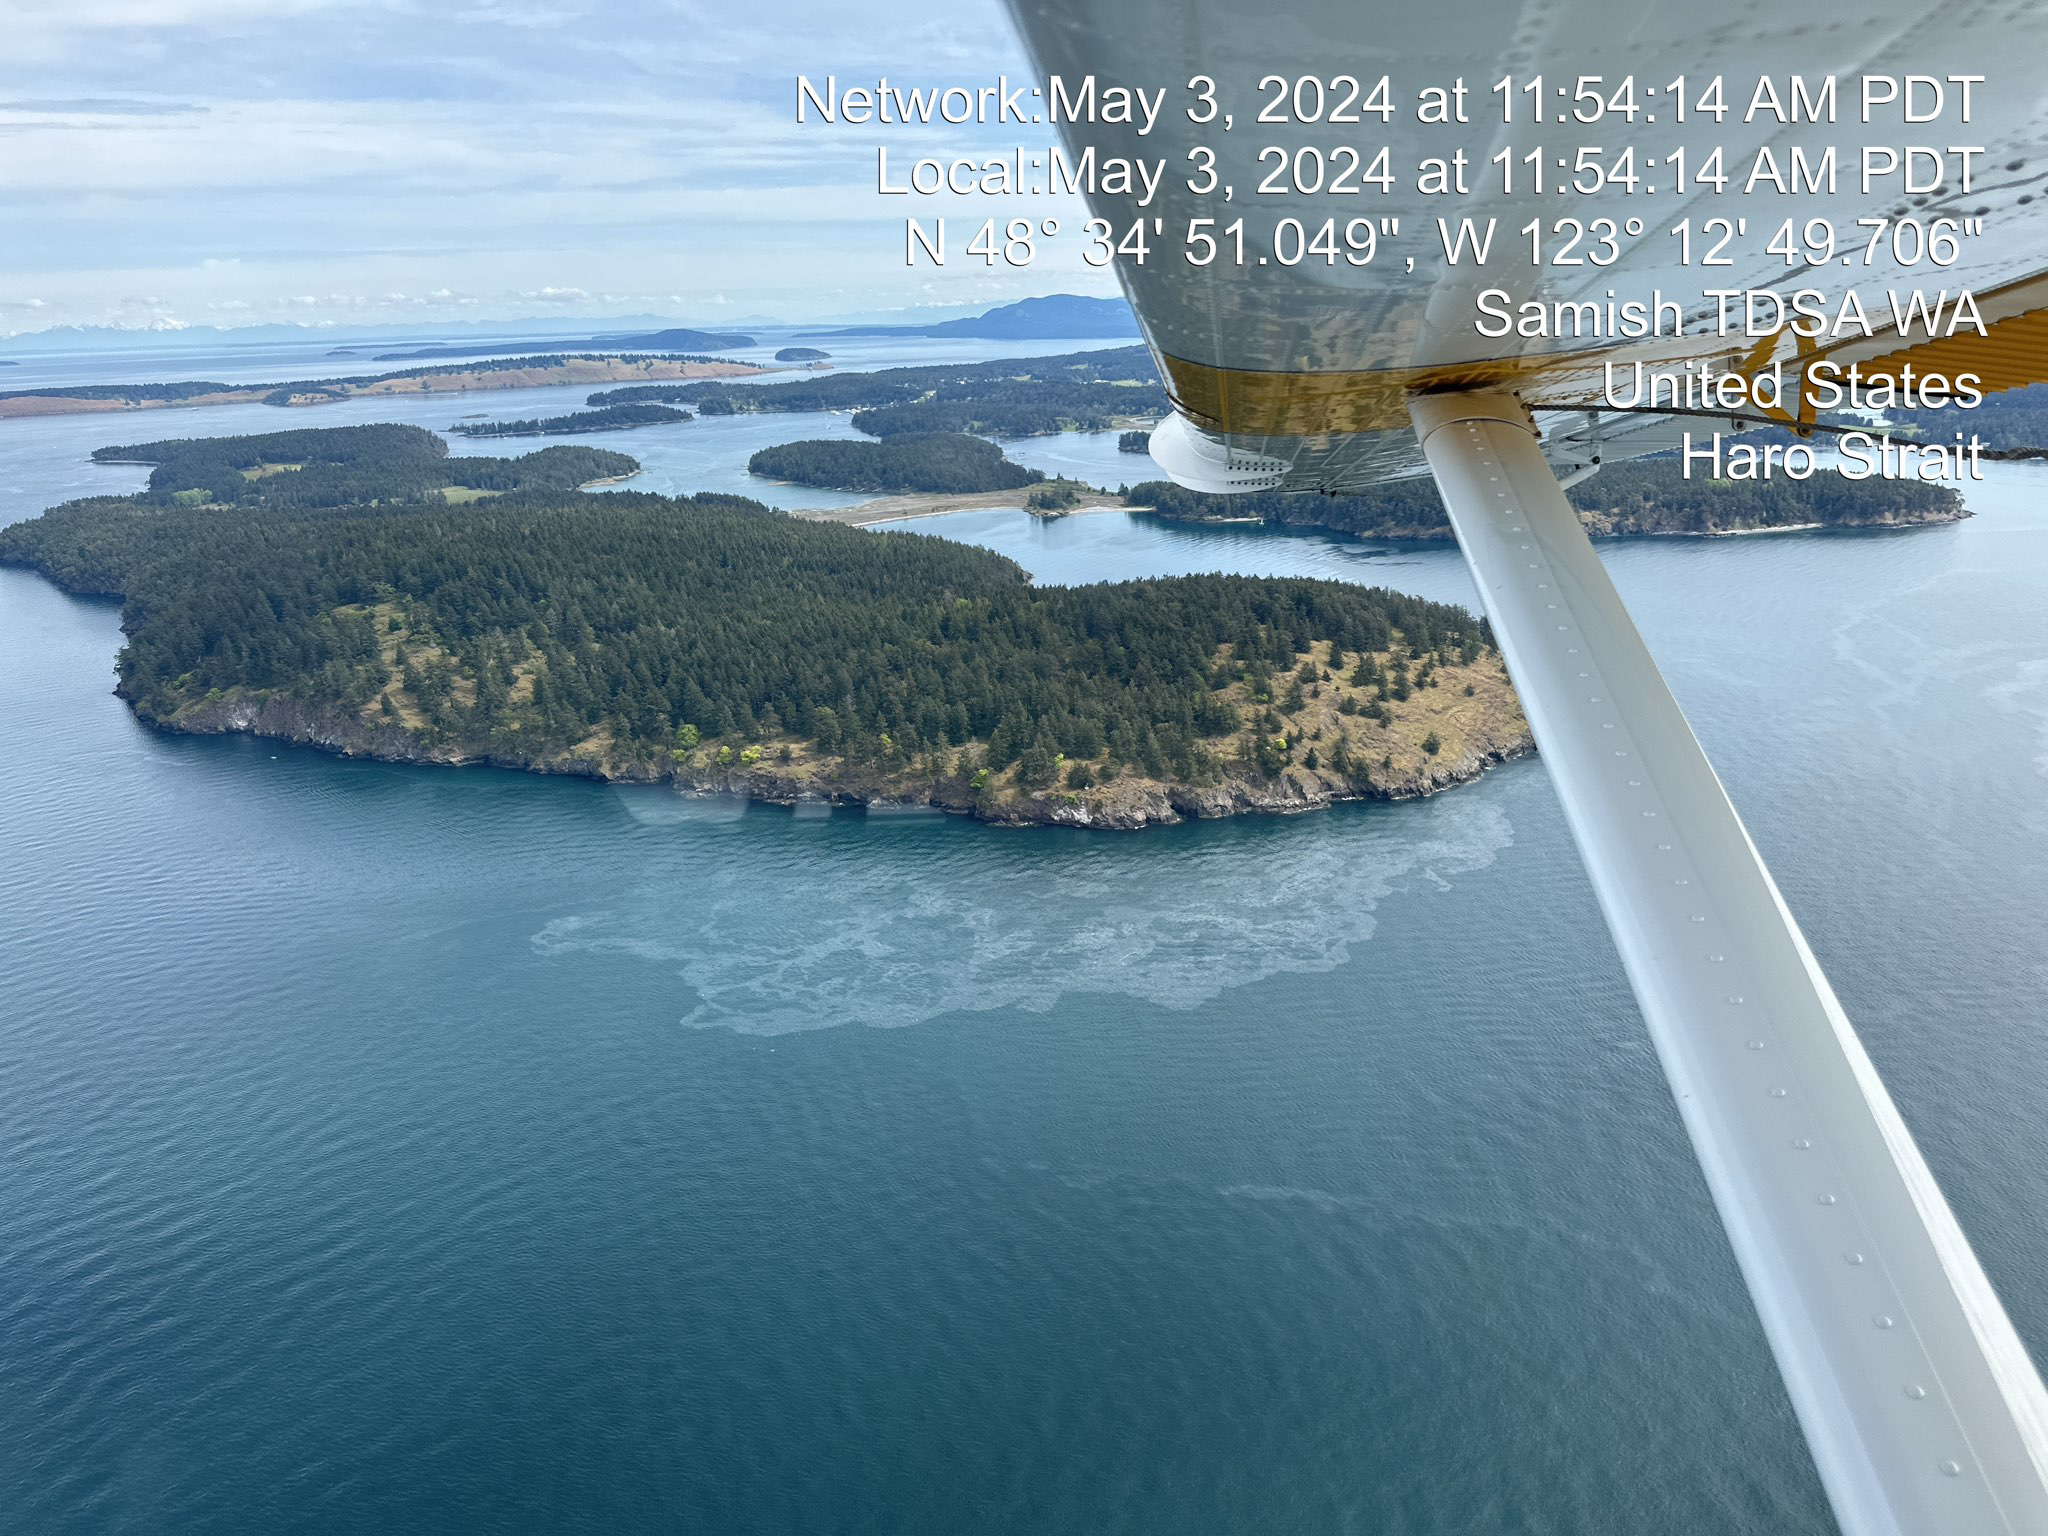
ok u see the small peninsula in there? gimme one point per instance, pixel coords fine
(331, 587)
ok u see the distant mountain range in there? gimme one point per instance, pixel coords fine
(1059, 315)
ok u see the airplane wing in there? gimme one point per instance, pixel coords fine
(1277, 359)
(1919, 1401)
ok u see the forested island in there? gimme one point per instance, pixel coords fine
(326, 467)
(502, 373)
(1012, 397)
(1641, 496)
(801, 355)
(944, 405)
(1636, 497)
(364, 590)
(319, 587)
(2012, 424)
(611, 418)
(921, 461)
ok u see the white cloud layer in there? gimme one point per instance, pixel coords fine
(200, 160)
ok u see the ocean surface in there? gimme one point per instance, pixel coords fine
(388, 1148)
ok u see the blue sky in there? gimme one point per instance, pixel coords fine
(232, 162)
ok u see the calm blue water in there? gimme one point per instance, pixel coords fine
(407, 1149)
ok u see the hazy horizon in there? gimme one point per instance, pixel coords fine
(502, 326)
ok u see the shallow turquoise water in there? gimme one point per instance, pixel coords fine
(393, 1148)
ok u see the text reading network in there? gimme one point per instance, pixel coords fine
(1186, 203)
(1540, 177)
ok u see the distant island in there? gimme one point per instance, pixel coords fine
(801, 355)
(1639, 497)
(611, 418)
(1011, 397)
(509, 373)
(2012, 424)
(944, 404)
(332, 587)
(1058, 317)
(327, 467)
(679, 339)
(928, 461)
(1119, 388)
(938, 473)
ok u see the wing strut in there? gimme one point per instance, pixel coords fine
(1921, 1406)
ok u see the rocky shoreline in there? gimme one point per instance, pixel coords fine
(1124, 804)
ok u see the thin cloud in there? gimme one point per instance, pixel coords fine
(103, 106)
(320, 158)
